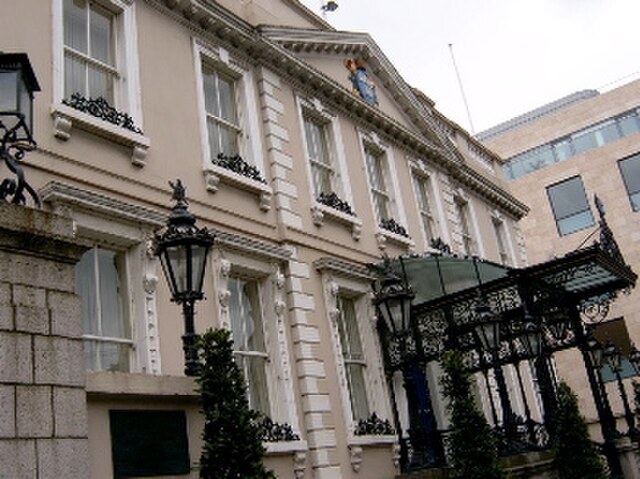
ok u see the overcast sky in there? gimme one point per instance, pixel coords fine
(512, 55)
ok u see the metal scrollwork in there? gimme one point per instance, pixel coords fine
(596, 310)
(373, 425)
(236, 164)
(100, 108)
(607, 241)
(393, 226)
(12, 150)
(271, 431)
(333, 201)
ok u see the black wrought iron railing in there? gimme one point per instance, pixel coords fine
(100, 108)
(236, 164)
(393, 226)
(374, 425)
(332, 200)
(272, 431)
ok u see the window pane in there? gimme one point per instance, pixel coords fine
(74, 76)
(101, 39)
(374, 164)
(256, 376)
(568, 198)
(91, 355)
(112, 295)
(227, 100)
(629, 124)
(570, 206)
(358, 391)
(381, 204)
(575, 222)
(608, 133)
(100, 84)
(211, 101)
(228, 141)
(563, 150)
(246, 315)
(86, 289)
(630, 170)
(585, 141)
(114, 356)
(75, 24)
(321, 179)
(214, 139)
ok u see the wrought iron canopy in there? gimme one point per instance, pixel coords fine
(448, 312)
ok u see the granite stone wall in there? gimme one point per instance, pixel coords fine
(43, 412)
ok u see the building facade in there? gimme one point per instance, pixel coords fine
(557, 158)
(305, 152)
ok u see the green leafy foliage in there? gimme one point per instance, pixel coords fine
(473, 449)
(232, 444)
(576, 456)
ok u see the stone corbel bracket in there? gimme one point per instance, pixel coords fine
(320, 213)
(65, 119)
(214, 175)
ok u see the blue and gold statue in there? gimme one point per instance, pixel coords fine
(362, 85)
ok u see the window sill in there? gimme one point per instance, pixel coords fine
(66, 118)
(372, 440)
(137, 384)
(383, 236)
(285, 447)
(214, 175)
(320, 211)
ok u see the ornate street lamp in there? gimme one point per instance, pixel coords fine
(488, 327)
(531, 337)
(183, 250)
(393, 301)
(17, 85)
(613, 357)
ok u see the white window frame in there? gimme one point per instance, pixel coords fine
(127, 96)
(340, 183)
(464, 209)
(355, 286)
(370, 141)
(232, 257)
(126, 306)
(500, 224)
(122, 227)
(249, 136)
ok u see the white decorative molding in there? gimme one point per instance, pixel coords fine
(150, 283)
(151, 331)
(299, 464)
(355, 456)
(396, 451)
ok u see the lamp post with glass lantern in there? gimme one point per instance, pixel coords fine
(182, 249)
(393, 301)
(17, 86)
(488, 332)
(613, 358)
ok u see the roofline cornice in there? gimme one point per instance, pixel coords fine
(264, 44)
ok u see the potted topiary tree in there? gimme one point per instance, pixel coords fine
(576, 456)
(472, 446)
(232, 446)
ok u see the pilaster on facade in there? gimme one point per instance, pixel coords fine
(312, 375)
(277, 140)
